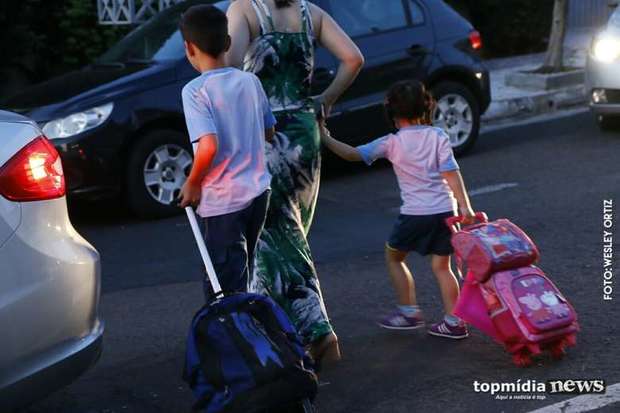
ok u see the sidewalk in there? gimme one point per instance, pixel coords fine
(512, 102)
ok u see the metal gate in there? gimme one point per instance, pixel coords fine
(589, 13)
(130, 11)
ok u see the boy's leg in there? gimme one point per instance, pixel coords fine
(408, 315)
(256, 222)
(451, 326)
(227, 245)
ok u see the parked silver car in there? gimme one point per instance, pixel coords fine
(603, 72)
(50, 330)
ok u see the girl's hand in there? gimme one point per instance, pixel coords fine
(324, 131)
(469, 217)
(327, 104)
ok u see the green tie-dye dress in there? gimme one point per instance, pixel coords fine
(284, 268)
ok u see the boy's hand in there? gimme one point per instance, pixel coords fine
(190, 194)
(469, 217)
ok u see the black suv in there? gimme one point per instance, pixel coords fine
(118, 123)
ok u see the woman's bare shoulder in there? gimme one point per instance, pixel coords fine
(317, 14)
(239, 6)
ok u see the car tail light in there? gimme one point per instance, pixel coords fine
(33, 174)
(475, 40)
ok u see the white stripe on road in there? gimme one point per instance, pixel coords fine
(493, 188)
(584, 403)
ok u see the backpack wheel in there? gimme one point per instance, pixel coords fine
(557, 350)
(522, 359)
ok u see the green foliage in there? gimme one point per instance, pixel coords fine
(47, 37)
(509, 27)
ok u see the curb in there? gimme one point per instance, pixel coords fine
(534, 105)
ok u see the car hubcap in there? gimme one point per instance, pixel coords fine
(165, 172)
(454, 115)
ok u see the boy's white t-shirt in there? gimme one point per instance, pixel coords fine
(418, 155)
(231, 104)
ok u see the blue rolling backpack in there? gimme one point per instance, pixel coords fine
(243, 354)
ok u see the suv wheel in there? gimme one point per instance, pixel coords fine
(458, 113)
(158, 167)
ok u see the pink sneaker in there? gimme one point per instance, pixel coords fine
(443, 329)
(399, 321)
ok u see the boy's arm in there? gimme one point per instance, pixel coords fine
(346, 152)
(270, 133)
(456, 184)
(203, 158)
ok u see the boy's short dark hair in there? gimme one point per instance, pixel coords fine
(409, 99)
(205, 26)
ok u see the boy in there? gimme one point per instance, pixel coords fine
(228, 118)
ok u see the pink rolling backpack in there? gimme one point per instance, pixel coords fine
(505, 295)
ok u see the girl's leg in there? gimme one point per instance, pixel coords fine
(408, 315)
(451, 326)
(448, 284)
(401, 276)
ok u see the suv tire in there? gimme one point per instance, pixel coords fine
(158, 166)
(458, 113)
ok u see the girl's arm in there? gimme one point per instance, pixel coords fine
(346, 152)
(456, 184)
(334, 39)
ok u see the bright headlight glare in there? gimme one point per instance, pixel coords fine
(78, 122)
(606, 49)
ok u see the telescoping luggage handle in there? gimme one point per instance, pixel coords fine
(206, 259)
(453, 221)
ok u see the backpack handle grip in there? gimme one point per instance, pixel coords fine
(453, 221)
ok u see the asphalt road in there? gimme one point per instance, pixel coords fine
(555, 176)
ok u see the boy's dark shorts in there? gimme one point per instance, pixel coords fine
(425, 234)
(231, 241)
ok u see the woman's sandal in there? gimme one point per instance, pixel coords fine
(325, 351)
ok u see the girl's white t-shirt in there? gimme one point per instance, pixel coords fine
(419, 154)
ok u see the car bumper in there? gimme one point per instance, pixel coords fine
(49, 299)
(38, 385)
(92, 163)
(484, 82)
(603, 77)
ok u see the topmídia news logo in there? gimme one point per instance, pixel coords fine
(533, 389)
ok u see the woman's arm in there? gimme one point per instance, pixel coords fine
(334, 39)
(239, 28)
(346, 152)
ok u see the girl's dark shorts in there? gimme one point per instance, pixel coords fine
(425, 234)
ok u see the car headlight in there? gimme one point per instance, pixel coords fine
(606, 49)
(78, 122)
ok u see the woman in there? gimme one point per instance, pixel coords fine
(275, 39)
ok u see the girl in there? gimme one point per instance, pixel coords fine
(430, 185)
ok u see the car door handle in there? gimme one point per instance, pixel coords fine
(417, 50)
